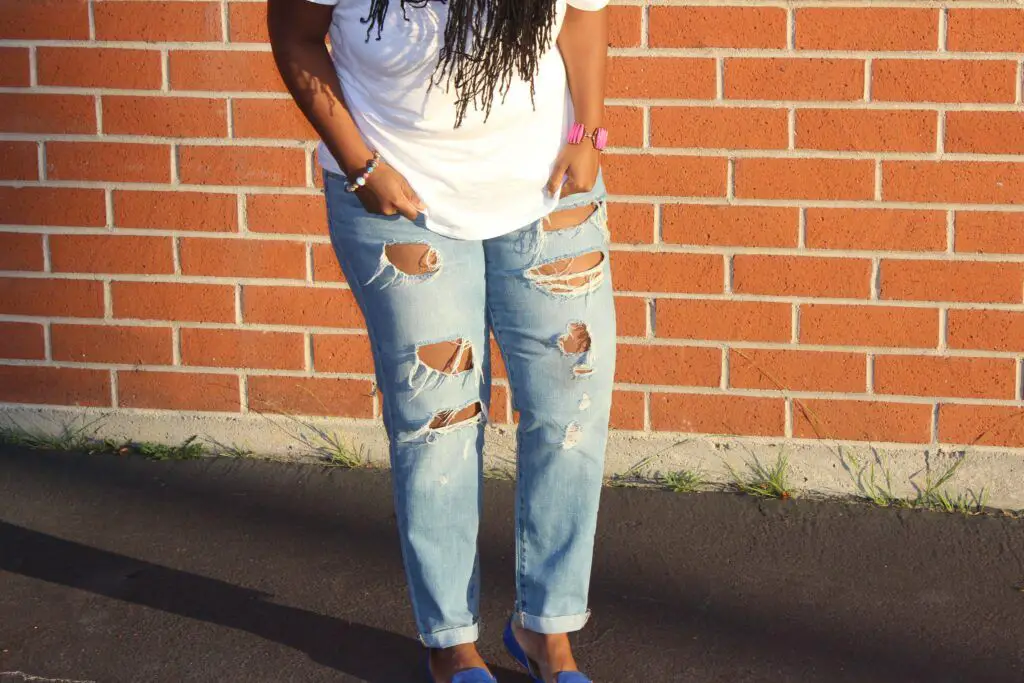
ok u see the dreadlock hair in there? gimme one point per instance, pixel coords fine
(486, 44)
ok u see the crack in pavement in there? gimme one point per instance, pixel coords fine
(17, 676)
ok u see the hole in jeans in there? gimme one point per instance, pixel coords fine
(450, 418)
(413, 259)
(575, 340)
(570, 276)
(448, 357)
(569, 218)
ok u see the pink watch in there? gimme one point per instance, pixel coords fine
(578, 133)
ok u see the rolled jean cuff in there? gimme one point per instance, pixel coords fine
(450, 637)
(548, 625)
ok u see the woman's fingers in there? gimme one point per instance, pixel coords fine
(558, 177)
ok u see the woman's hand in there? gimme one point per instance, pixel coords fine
(578, 165)
(388, 193)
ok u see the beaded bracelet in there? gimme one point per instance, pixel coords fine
(361, 180)
(578, 133)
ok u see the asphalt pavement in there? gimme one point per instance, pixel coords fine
(124, 570)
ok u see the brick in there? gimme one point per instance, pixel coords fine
(44, 20)
(918, 80)
(52, 206)
(952, 281)
(173, 301)
(801, 276)
(798, 370)
(953, 181)
(735, 27)
(628, 124)
(498, 407)
(661, 272)
(693, 366)
(312, 396)
(739, 226)
(325, 264)
(718, 128)
(112, 344)
(247, 23)
(342, 353)
(51, 298)
(273, 119)
(989, 232)
(805, 179)
(243, 349)
(876, 229)
(627, 410)
(666, 175)
(219, 70)
(20, 160)
(717, 414)
(178, 391)
(269, 166)
(723, 320)
(866, 130)
(985, 132)
(22, 341)
(938, 376)
(158, 21)
(498, 370)
(14, 67)
(631, 223)
(976, 425)
(21, 251)
(114, 161)
(287, 214)
(985, 30)
(111, 254)
(176, 117)
(771, 78)
(91, 67)
(35, 113)
(54, 386)
(631, 316)
(300, 306)
(624, 26)
(884, 326)
(661, 77)
(242, 258)
(158, 210)
(886, 29)
(986, 330)
(862, 421)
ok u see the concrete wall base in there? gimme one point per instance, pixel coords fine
(816, 467)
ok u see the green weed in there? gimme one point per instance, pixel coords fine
(682, 481)
(763, 481)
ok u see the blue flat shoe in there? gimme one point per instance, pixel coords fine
(467, 676)
(516, 650)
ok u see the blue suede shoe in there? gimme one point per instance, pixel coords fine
(516, 650)
(467, 676)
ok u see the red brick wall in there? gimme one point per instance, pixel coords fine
(818, 218)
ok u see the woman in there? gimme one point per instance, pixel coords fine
(461, 150)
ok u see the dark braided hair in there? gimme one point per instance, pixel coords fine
(486, 44)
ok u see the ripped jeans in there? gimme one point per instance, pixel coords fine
(429, 302)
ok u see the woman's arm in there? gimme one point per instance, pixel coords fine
(297, 31)
(583, 43)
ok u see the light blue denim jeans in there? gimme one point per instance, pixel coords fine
(556, 333)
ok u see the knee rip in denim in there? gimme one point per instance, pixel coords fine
(450, 420)
(573, 219)
(576, 341)
(436, 362)
(407, 263)
(570, 277)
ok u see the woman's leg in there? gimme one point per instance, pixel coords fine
(423, 297)
(551, 307)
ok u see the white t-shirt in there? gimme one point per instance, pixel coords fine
(480, 180)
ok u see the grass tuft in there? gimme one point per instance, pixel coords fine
(763, 481)
(682, 481)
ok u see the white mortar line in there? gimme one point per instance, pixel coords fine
(108, 301)
(108, 207)
(943, 29)
(879, 189)
(950, 231)
(165, 71)
(790, 28)
(943, 345)
(935, 423)
(114, 389)
(47, 341)
(176, 345)
(730, 180)
(651, 310)
(307, 349)
(723, 381)
(646, 127)
(41, 159)
(238, 305)
(99, 116)
(175, 168)
(719, 78)
(309, 263)
(645, 25)
(728, 273)
(231, 118)
(47, 264)
(876, 278)
(33, 67)
(176, 254)
(659, 227)
(795, 324)
(940, 133)
(1019, 389)
(647, 411)
(869, 368)
(243, 393)
(243, 214)
(225, 22)
(801, 238)
(1019, 99)
(788, 429)
(791, 123)
(91, 12)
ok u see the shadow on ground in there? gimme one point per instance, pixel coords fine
(117, 569)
